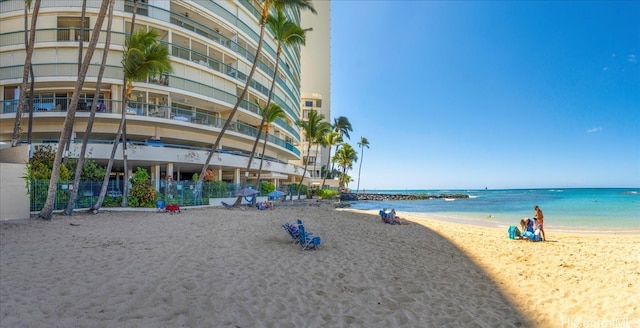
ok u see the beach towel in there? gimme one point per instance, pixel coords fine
(531, 236)
(514, 232)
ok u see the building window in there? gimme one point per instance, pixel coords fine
(69, 28)
(310, 159)
(308, 103)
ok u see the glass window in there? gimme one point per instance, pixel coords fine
(308, 103)
(69, 29)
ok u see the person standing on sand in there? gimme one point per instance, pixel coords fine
(540, 220)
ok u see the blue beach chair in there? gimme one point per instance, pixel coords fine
(307, 240)
(292, 230)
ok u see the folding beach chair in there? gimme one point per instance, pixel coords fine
(307, 240)
(292, 230)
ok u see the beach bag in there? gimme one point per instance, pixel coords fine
(514, 232)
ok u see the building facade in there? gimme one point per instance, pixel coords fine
(316, 83)
(172, 120)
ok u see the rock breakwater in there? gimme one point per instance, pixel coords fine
(382, 197)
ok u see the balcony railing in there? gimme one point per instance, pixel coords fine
(51, 35)
(191, 116)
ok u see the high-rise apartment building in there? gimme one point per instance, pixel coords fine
(173, 119)
(316, 81)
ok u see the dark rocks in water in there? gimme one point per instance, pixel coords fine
(381, 197)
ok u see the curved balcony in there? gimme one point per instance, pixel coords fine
(53, 35)
(137, 110)
(70, 70)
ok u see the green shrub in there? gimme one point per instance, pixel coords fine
(40, 171)
(214, 189)
(326, 193)
(267, 187)
(293, 187)
(112, 201)
(143, 193)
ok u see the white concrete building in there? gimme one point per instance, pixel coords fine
(211, 46)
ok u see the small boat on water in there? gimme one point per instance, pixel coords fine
(449, 199)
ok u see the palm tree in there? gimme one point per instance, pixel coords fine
(80, 48)
(330, 139)
(144, 56)
(266, 7)
(17, 126)
(314, 127)
(270, 115)
(92, 115)
(47, 209)
(27, 7)
(341, 125)
(123, 113)
(344, 158)
(362, 143)
(287, 33)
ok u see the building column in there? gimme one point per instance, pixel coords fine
(115, 95)
(236, 178)
(155, 176)
(169, 170)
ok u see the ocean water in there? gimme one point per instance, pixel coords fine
(580, 209)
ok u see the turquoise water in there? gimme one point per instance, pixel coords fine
(600, 209)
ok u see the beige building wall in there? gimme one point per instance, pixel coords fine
(315, 71)
(14, 201)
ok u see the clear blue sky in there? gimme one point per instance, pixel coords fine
(501, 94)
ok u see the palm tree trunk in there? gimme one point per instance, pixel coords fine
(265, 11)
(264, 147)
(47, 209)
(129, 88)
(105, 182)
(305, 168)
(125, 186)
(246, 176)
(360, 169)
(17, 127)
(255, 143)
(30, 104)
(80, 48)
(92, 115)
(32, 77)
(315, 157)
(326, 170)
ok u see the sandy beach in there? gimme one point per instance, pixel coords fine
(212, 267)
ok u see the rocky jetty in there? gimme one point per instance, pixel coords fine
(381, 197)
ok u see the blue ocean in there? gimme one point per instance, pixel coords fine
(568, 209)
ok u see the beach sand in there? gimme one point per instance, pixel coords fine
(213, 267)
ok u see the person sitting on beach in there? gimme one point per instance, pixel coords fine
(530, 231)
(393, 218)
(265, 205)
(383, 215)
(539, 217)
